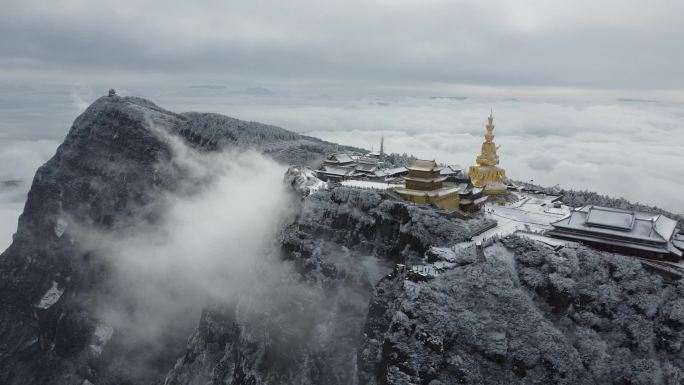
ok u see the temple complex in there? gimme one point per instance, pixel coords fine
(425, 184)
(486, 174)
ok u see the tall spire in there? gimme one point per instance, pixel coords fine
(485, 172)
(382, 146)
(489, 136)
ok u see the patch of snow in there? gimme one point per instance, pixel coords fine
(60, 227)
(411, 289)
(304, 180)
(448, 254)
(50, 297)
(311, 183)
(100, 338)
(532, 213)
(499, 252)
(553, 242)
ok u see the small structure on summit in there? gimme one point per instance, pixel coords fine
(424, 184)
(486, 174)
(112, 92)
(379, 156)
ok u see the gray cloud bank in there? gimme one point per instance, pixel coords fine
(359, 44)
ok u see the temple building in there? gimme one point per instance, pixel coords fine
(425, 184)
(486, 173)
(622, 231)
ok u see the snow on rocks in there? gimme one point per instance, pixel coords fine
(51, 296)
(60, 227)
(304, 180)
(573, 316)
(100, 338)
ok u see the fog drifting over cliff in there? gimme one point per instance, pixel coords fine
(212, 242)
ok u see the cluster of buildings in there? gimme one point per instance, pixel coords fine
(450, 188)
(426, 182)
(347, 166)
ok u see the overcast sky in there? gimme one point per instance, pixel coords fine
(353, 45)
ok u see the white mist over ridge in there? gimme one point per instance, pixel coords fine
(214, 243)
(216, 246)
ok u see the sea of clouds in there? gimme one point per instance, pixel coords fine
(628, 148)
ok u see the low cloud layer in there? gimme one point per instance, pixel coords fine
(625, 148)
(19, 160)
(630, 148)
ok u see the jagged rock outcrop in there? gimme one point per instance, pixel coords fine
(111, 169)
(303, 180)
(341, 243)
(525, 315)
(375, 223)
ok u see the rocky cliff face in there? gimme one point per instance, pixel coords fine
(516, 312)
(341, 243)
(112, 168)
(524, 314)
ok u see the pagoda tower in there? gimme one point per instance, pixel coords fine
(486, 174)
(424, 184)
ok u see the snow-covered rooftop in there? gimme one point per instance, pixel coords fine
(390, 171)
(615, 219)
(621, 223)
(338, 171)
(451, 169)
(366, 167)
(425, 165)
(339, 158)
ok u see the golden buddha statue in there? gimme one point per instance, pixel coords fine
(486, 173)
